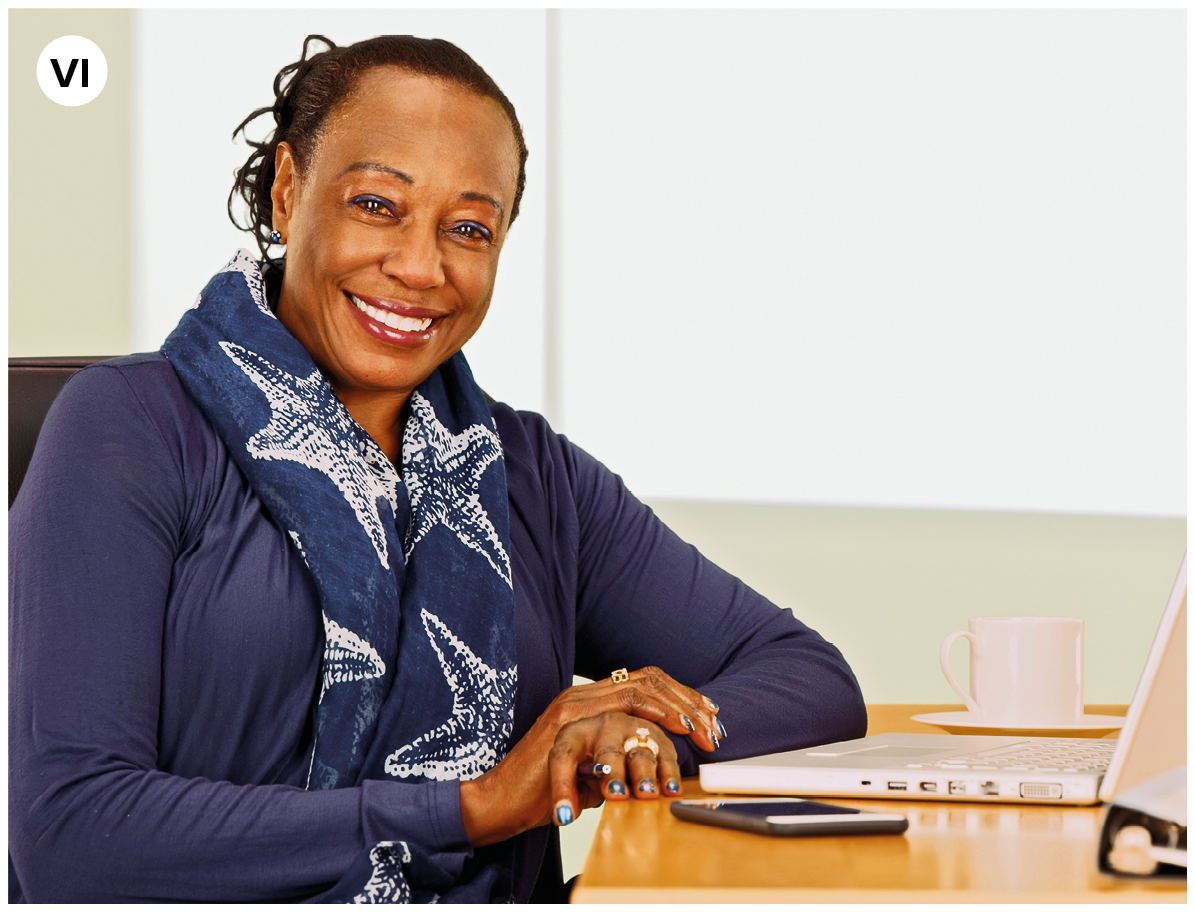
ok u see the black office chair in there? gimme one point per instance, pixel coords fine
(33, 384)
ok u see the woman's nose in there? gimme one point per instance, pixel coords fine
(416, 260)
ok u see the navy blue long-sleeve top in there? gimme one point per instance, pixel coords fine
(166, 641)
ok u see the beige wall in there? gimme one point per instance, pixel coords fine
(887, 585)
(68, 194)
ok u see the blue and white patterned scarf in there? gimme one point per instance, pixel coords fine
(413, 572)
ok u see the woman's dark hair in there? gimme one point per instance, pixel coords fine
(307, 91)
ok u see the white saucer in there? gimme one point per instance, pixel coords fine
(965, 723)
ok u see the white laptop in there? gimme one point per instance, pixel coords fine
(1003, 769)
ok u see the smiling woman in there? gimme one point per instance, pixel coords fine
(318, 600)
(393, 232)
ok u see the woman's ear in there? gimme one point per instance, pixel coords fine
(283, 191)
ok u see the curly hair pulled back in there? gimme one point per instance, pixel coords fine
(307, 91)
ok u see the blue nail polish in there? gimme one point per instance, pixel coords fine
(672, 786)
(721, 727)
(564, 815)
(717, 743)
(617, 788)
(647, 786)
(688, 723)
(711, 703)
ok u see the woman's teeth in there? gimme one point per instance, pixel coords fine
(393, 320)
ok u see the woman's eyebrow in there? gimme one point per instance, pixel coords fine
(376, 166)
(483, 198)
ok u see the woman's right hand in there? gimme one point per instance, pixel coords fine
(536, 783)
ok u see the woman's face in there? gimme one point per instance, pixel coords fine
(393, 230)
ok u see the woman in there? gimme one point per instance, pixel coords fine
(295, 609)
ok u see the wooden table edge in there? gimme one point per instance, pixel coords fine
(688, 895)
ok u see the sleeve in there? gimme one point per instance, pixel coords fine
(645, 597)
(92, 537)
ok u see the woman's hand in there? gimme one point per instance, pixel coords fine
(590, 723)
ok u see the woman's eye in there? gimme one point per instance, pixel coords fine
(472, 231)
(373, 205)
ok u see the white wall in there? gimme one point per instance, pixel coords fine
(890, 258)
(895, 258)
(200, 72)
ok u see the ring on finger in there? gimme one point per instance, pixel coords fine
(642, 738)
(620, 677)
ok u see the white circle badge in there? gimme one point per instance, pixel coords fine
(72, 70)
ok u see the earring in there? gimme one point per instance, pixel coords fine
(275, 237)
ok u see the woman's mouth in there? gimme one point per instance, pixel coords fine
(390, 318)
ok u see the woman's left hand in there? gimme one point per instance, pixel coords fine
(537, 782)
(642, 761)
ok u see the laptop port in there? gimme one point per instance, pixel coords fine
(929, 786)
(958, 787)
(898, 786)
(989, 788)
(865, 782)
(1041, 790)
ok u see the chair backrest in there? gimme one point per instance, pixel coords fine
(33, 384)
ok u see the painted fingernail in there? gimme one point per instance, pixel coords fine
(617, 788)
(672, 787)
(717, 743)
(564, 814)
(647, 786)
(721, 727)
(688, 723)
(710, 703)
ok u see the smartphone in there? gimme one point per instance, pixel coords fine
(787, 816)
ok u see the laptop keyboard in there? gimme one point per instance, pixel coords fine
(1063, 755)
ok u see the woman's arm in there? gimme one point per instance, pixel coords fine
(645, 597)
(110, 497)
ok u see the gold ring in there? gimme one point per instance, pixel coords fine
(641, 739)
(620, 676)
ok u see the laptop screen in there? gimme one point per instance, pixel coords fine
(1154, 738)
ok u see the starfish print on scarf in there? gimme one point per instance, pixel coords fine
(347, 657)
(309, 426)
(248, 267)
(442, 472)
(469, 743)
(387, 884)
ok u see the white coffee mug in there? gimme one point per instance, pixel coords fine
(1025, 671)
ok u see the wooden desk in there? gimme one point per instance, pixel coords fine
(952, 852)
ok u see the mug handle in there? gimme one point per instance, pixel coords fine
(944, 658)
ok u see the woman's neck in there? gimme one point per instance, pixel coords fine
(382, 415)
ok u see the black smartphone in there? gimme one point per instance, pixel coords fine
(787, 816)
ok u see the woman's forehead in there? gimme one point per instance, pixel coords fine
(393, 113)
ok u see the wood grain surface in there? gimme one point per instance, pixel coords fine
(952, 852)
